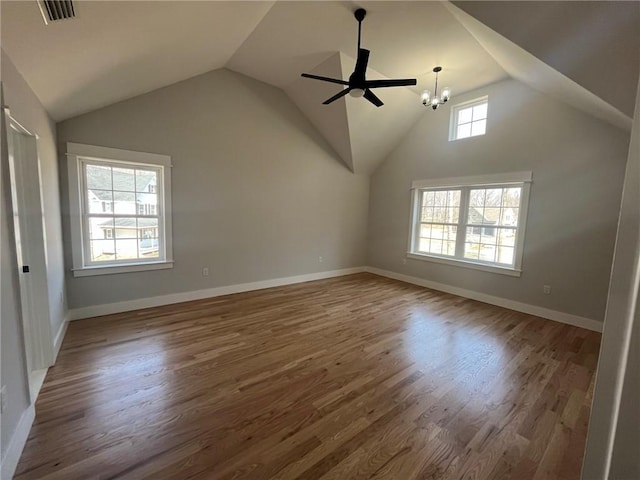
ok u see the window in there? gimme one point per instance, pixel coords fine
(119, 222)
(477, 222)
(469, 119)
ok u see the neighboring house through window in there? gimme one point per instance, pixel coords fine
(471, 221)
(120, 204)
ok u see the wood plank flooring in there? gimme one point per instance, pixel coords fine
(349, 378)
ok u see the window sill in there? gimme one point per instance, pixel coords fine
(111, 269)
(465, 264)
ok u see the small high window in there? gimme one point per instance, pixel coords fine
(469, 119)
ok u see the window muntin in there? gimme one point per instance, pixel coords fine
(471, 223)
(125, 233)
(469, 119)
(492, 224)
(438, 222)
(120, 210)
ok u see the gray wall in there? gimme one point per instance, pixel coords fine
(578, 167)
(27, 110)
(257, 193)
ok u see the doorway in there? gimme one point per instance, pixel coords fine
(30, 240)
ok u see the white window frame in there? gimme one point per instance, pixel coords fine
(455, 110)
(77, 155)
(516, 179)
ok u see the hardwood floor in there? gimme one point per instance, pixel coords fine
(349, 378)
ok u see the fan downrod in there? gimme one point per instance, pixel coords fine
(360, 14)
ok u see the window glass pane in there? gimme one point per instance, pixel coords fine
(465, 115)
(124, 179)
(487, 253)
(480, 111)
(148, 248)
(149, 202)
(124, 203)
(100, 228)
(512, 197)
(423, 245)
(145, 180)
(450, 248)
(464, 131)
(428, 198)
(441, 198)
(98, 176)
(476, 198)
(102, 250)
(435, 246)
(126, 248)
(476, 216)
(473, 234)
(453, 199)
(425, 231)
(427, 214)
(493, 197)
(491, 215)
(489, 235)
(471, 250)
(509, 216)
(506, 237)
(126, 227)
(478, 128)
(100, 201)
(438, 231)
(440, 214)
(505, 255)
(452, 215)
(147, 227)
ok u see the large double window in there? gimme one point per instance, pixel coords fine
(471, 221)
(120, 210)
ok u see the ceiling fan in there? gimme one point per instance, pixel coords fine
(358, 85)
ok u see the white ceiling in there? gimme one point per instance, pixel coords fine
(116, 50)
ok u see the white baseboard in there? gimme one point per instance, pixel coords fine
(17, 443)
(543, 312)
(127, 306)
(57, 342)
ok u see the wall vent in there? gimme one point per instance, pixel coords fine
(54, 10)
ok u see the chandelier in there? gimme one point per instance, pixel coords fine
(434, 101)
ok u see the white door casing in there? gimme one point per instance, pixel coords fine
(28, 217)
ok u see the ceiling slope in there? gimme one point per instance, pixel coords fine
(330, 120)
(308, 33)
(523, 66)
(595, 43)
(376, 132)
(117, 50)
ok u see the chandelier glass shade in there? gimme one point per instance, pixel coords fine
(434, 100)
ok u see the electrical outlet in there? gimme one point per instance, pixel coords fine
(320, 259)
(404, 261)
(205, 271)
(3, 398)
(546, 289)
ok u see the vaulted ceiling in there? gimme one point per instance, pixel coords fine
(584, 53)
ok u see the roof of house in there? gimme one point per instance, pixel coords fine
(101, 180)
(130, 223)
